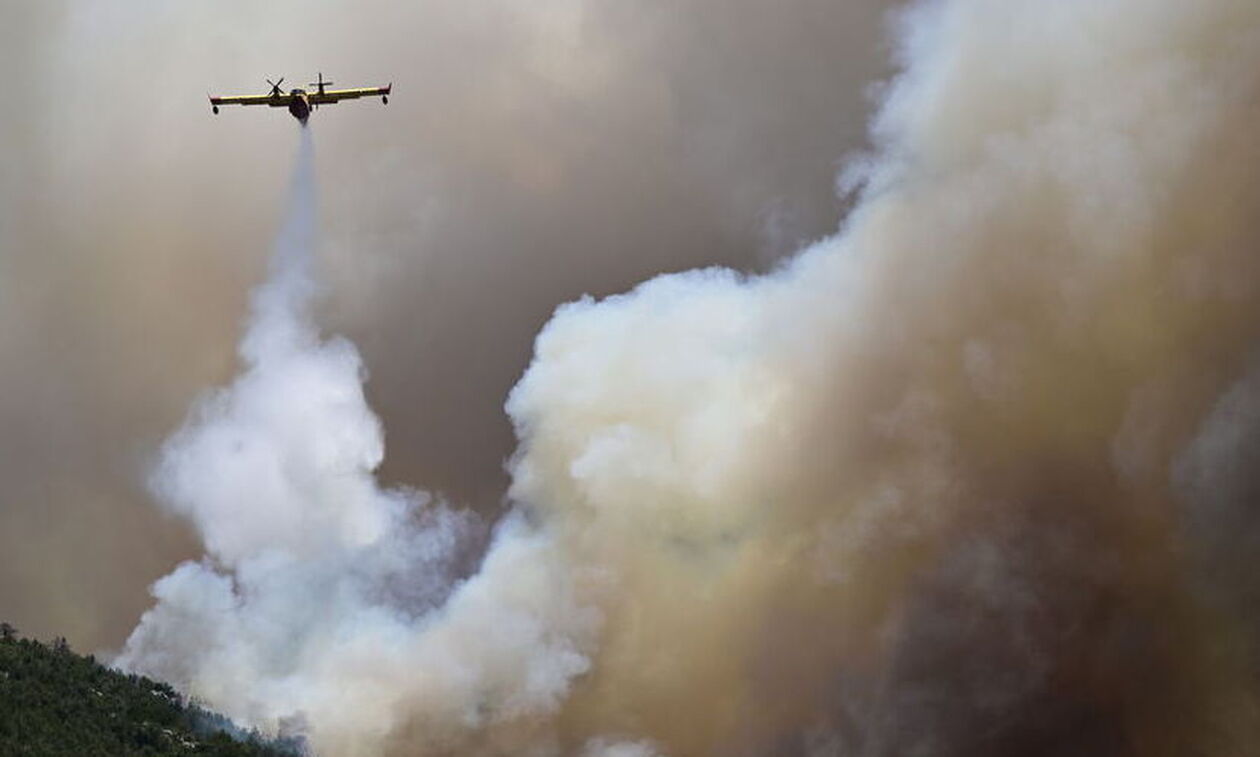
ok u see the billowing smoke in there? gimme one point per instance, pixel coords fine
(318, 600)
(971, 477)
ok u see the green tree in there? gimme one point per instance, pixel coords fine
(55, 703)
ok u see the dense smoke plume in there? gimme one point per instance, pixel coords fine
(971, 477)
(322, 608)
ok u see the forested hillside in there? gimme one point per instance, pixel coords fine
(54, 702)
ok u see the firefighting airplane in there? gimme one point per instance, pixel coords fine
(299, 101)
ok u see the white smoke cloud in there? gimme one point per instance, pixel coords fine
(605, 748)
(318, 600)
(877, 481)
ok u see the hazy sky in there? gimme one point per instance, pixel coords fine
(532, 153)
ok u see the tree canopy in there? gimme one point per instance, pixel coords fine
(54, 702)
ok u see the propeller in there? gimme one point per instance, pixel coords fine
(321, 83)
(275, 86)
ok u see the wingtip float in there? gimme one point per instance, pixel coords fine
(301, 102)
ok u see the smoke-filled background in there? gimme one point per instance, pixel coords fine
(532, 153)
(972, 476)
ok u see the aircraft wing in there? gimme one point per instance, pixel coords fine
(336, 95)
(275, 101)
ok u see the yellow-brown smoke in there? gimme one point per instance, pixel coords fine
(970, 477)
(916, 492)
